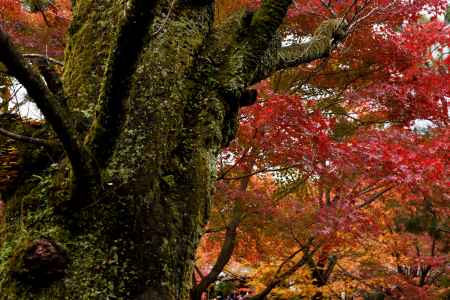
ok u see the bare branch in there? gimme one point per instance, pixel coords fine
(230, 240)
(45, 57)
(245, 153)
(225, 254)
(27, 139)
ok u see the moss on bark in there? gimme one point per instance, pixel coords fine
(138, 238)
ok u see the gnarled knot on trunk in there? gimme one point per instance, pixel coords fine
(43, 262)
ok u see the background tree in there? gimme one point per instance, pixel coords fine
(375, 96)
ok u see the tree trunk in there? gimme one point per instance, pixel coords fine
(137, 240)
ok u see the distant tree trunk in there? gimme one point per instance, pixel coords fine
(151, 93)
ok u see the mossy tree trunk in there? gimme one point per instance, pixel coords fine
(151, 93)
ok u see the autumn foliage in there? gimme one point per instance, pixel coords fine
(338, 160)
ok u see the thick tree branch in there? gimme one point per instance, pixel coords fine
(122, 61)
(253, 35)
(49, 104)
(324, 40)
(262, 34)
(265, 23)
(332, 261)
(236, 50)
(199, 272)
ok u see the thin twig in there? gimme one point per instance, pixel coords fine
(352, 26)
(376, 196)
(354, 277)
(165, 20)
(329, 7)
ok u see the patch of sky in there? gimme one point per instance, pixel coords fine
(21, 104)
